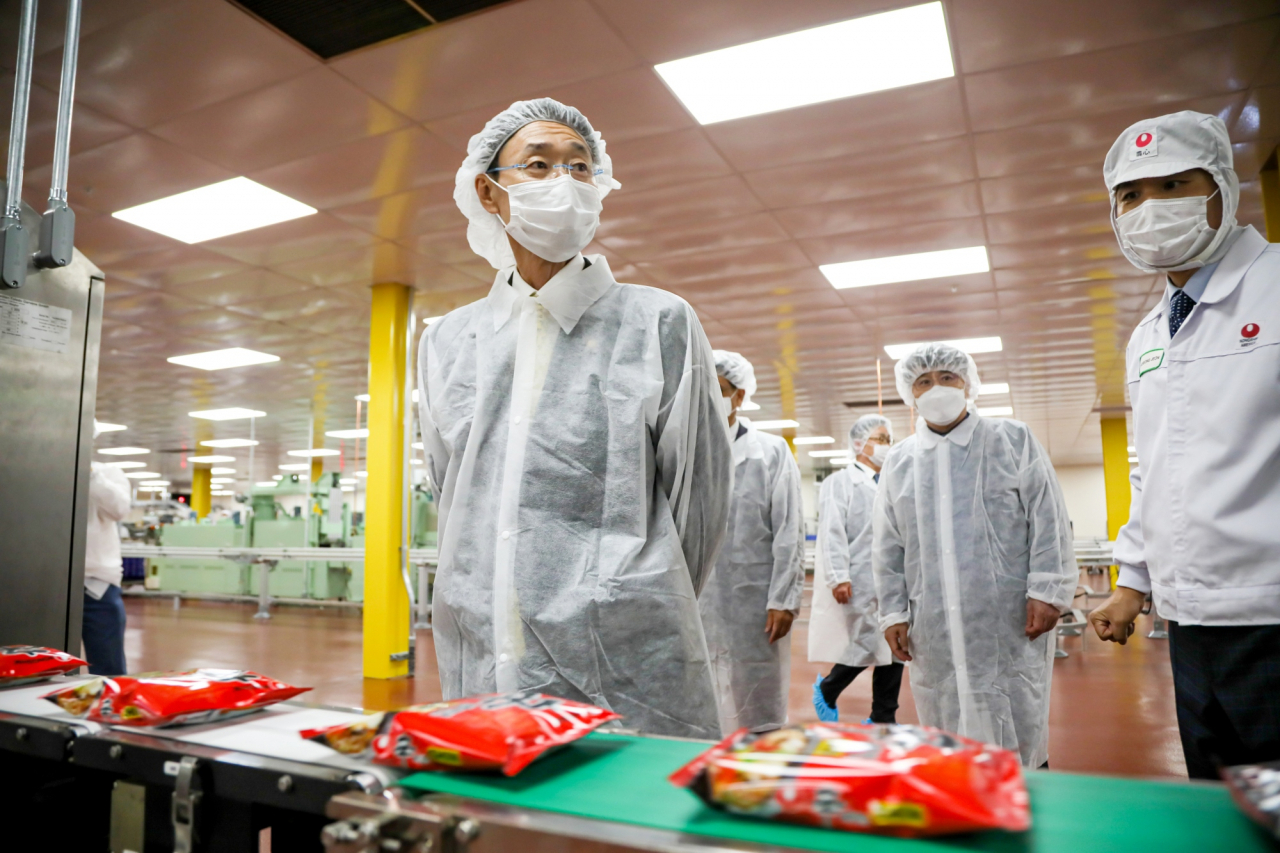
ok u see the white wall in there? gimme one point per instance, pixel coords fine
(1085, 489)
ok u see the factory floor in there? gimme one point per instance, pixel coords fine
(1112, 710)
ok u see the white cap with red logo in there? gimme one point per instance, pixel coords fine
(1174, 143)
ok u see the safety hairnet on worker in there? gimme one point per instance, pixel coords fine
(574, 440)
(973, 560)
(848, 634)
(754, 592)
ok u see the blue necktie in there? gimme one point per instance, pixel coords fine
(1179, 307)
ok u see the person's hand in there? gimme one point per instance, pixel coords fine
(899, 644)
(843, 592)
(1041, 617)
(778, 625)
(1114, 619)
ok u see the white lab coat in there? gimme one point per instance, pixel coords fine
(760, 568)
(110, 498)
(582, 468)
(850, 633)
(1204, 523)
(968, 526)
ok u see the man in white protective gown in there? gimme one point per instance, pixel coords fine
(754, 591)
(973, 560)
(844, 623)
(575, 444)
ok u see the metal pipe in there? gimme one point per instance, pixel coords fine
(18, 121)
(66, 96)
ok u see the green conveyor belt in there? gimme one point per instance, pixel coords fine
(623, 778)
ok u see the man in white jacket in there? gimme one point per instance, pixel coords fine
(103, 626)
(844, 625)
(1203, 536)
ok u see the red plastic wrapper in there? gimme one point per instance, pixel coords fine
(906, 781)
(500, 731)
(172, 698)
(29, 664)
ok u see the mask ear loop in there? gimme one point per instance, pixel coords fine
(498, 216)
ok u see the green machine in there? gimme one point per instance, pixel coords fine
(198, 574)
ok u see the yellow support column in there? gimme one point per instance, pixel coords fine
(386, 601)
(1269, 179)
(201, 500)
(1115, 470)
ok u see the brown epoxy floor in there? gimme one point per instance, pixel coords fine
(1112, 710)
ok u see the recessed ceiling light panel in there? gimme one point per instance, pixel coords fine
(313, 452)
(868, 54)
(229, 442)
(123, 451)
(993, 388)
(233, 414)
(222, 359)
(996, 411)
(102, 426)
(782, 424)
(814, 439)
(348, 433)
(973, 346)
(227, 207)
(918, 267)
(213, 458)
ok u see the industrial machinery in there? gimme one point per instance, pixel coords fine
(50, 323)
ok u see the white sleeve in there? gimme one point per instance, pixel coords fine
(437, 449)
(110, 493)
(786, 586)
(888, 560)
(833, 501)
(1053, 574)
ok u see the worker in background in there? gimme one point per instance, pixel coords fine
(844, 625)
(973, 560)
(576, 445)
(754, 591)
(102, 628)
(1203, 536)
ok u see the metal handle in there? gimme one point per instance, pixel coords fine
(58, 227)
(13, 252)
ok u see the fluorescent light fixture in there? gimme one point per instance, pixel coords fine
(917, 267)
(313, 452)
(124, 464)
(155, 483)
(266, 484)
(429, 320)
(749, 407)
(867, 54)
(1133, 449)
(296, 466)
(346, 481)
(362, 473)
(827, 454)
(277, 477)
(227, 207)
(417, 445)
(221, 481)
(222, 493)
(232, 414)
(348, 433)
(211, 459)
(996, 411)
(415, 395)
(814, 439)
(416, 462)
(973, 346)
(348, 488)
(221, 472)
(363, 398)
(229, 442)
(221, 359)
(143, 487)
(993, 388)
(782, 424)
(143, 475)
(123, 451)
(103, 426)
(841, 460)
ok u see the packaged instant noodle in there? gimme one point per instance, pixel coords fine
(501, 731)
(906, 781)
(172, 698)
(29, 664)
(1256, 790)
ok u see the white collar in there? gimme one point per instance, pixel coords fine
(960, 435)
(866, 469)
(747, 445)
(567, 296)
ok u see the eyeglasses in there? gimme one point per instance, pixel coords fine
(880, 439)
(540, 171)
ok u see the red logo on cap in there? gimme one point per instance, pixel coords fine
(1250, 330)
(1143, 140)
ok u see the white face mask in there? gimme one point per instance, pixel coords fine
(726, 408)
(553, 218)
(1167, 233)
(878, 454)
(941, 404)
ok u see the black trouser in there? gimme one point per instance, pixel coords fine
(886, 681)
(103, 632)
(1226, 682)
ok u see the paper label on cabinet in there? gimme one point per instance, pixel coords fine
(34, 325)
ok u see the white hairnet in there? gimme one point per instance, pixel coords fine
(1174, 143)
(938, 356)
(862, 429)
(485, 232)
(737, 370)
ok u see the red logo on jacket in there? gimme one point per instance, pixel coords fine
(1250, 330)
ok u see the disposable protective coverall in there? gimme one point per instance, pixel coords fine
(760, 568)
(583, 471)
(968, 526)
